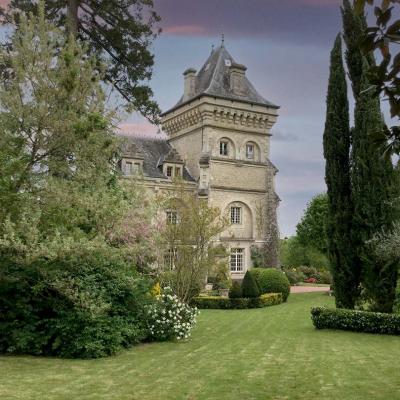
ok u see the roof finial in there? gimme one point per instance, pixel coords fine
(222, 40)
(212, 48)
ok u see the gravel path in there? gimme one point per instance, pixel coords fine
(308, 289)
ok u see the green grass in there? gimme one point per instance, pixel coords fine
(270, 353)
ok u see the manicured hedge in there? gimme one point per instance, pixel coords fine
(272, 280)
(357, 321)
(225, 303)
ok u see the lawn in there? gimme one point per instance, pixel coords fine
(271, 353)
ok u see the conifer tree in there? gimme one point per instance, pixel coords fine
(344, 266)
(373, 194)
(354, 26)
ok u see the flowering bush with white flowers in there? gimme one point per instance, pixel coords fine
(169, 318)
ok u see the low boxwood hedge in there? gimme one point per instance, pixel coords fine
(225, 303)
(357, 321)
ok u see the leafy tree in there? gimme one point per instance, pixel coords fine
(187, 241)
(311, 229)
(249, 286)
(345, 267)
(55, 137)
(120, 32)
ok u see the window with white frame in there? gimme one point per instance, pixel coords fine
(237, 260)
(170, 258)
(137, 168)
(128, 168)
(250, 151)
(236, 215)
(178, 171)
(172, 217)
(223, 147)
(169, 171)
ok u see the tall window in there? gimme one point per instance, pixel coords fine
(223, 148)
(178, 171)
(172, 217)
(237, 260)
(250, 151)
(236, 215)
(128, 169)
(169, 172)
(170, 258)
(137, 168)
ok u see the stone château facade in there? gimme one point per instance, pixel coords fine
(219, 143)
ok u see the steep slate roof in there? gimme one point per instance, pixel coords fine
(154, 152)
(213, 80)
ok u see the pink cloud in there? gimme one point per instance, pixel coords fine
(185, 30)
(140, 129)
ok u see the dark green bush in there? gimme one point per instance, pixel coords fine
(79, 307)
(271, 280)
(249, 286)
(396, 306)
(357, 321)
(214, 302)
(235, 292)
(294, 276)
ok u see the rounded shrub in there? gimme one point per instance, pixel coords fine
(271, 280)
(235, 291)
(80, 306)
(249, 286)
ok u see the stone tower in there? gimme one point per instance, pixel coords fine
(221, 128)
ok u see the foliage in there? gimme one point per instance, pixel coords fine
(216, 302)
(120, 33)
(294, 276)
(53, 121)
(249, 286)
(345, 267)
(235, 291)
(221, 278)
(189, 241)
(169, 318)
(373, 195)
(271, 280)
(85, 305)
(384, 78)
(311, 230)
(294, 254)
(357, 321)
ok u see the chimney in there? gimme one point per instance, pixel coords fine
(237, 74)
(190, 83)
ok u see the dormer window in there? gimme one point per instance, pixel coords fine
(178, 171)
(250, 151)
(169, 171)
(223, 148)
(128, 168)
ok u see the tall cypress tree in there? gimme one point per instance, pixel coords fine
(354, 26)
(372, 176)
(373, 195)
(344, 266)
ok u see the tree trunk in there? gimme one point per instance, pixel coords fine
(72, 16)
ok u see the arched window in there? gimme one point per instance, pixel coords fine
(252, 151)
(226, 148)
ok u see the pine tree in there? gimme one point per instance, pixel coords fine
(373, 194)
(119, 32)
(344, 266)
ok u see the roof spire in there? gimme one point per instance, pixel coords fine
(212, 48)
(222, 40)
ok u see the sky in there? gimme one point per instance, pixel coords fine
(285, 45)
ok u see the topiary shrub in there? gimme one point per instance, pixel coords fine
(250, 288)
(271, 280)
(84, 306)
(223, 303)
(235, 292)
